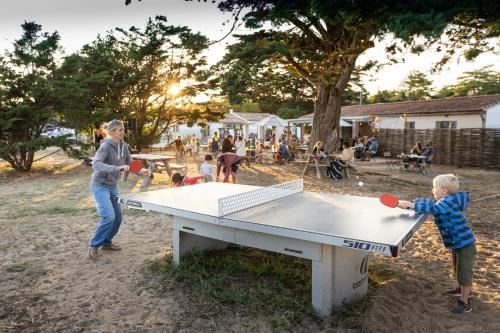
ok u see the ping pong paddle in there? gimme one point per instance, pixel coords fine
(135, 166)
(389, 200)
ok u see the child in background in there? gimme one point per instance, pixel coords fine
(448, 211)
(206, 169)
(178, 180)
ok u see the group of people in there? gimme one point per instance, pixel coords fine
(365, 148)
(419, 155)
(336, 162)
(192, 146)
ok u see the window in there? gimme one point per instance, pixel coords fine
(446, 124)
(410, 124)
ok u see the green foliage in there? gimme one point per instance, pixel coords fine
(484, 81)
(249, 281)
(27, 96)
(127, 74)
(287, 112)
(320, 41)
(417, 86)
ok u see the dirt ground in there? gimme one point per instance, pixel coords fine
(47, 283)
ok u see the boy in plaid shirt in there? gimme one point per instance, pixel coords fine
(448, 211)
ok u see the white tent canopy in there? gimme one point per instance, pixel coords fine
(343, 123)
(272, 120)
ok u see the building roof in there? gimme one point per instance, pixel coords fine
(467, 104)
(252, 116)
(243, 117)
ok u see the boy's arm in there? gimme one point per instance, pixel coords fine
(406, 204)
(429, 206)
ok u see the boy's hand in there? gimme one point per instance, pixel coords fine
(406, 204)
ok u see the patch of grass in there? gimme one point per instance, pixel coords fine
(255, 283)
(251, 282)
(59, 210)
(32, 269)
(18, 267)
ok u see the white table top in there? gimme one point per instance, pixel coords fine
(152, 157)
(320, 217)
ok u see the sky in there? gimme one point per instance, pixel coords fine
(80, 21)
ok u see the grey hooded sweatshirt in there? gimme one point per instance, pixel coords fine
(107, 161)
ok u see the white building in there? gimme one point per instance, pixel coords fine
(236, 123)
(458, 112)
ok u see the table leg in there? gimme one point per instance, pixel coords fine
(340, 277)
(167, 167)
(147, 179)
(188, 234)
(318, 171)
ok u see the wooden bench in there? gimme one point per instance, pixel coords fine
(178, 167)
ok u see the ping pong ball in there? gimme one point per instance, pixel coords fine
(360, 183)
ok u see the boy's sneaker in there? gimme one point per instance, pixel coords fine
(461, 308)
(458, 293)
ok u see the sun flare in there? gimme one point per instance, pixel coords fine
(174, 89)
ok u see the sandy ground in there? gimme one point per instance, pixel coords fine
(48, 284)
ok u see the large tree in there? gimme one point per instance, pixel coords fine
(273, 89)
(148, 76)
(320, 41)
(483, 81)
(27, 96)
(417, 86)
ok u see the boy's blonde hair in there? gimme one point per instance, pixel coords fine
(449, 182)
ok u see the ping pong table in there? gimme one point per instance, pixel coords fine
(336, 232)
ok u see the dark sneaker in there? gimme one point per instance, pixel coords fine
(111, 247)
(94, 253)
(461, 308)
(457, 293)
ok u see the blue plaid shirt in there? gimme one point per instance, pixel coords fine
(449, 218)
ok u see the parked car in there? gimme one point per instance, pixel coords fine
(53, 131)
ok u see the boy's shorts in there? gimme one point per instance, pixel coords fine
(208, 178)
(463, 264)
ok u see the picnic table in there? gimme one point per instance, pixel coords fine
(409, 160)
(157, 163)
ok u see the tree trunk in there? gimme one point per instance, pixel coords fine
(326, 117)
(327, 107)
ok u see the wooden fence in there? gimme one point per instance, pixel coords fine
(463, 147)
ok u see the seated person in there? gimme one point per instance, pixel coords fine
(229, 164)
(259, 150)
(359, 148)
(428, 151)
(372, 148)
(318, 149)
(283, 150)
(417, 149)
(178, 180)
(347, 155)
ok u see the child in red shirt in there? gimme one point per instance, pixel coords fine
(178, 180)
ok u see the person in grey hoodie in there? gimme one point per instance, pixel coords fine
(112, 158)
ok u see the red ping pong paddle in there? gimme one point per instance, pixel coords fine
(389, 200)
(135, 166)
